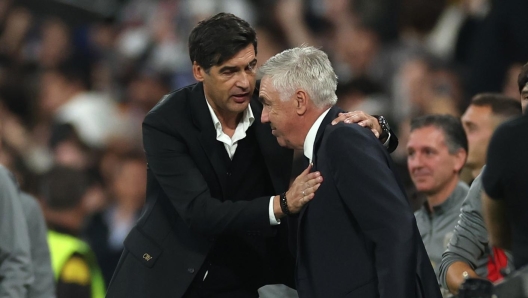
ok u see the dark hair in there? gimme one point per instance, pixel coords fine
(522, 80)
(63, 188)
(451, 126)
(219, 38)
(501, 105)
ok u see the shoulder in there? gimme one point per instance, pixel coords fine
(7, 180)
(508, 132)
(174, 106)
(5, 175)
(355, 136)
(171, 102)
(76, 270)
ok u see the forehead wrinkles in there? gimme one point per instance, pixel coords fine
(242, 58)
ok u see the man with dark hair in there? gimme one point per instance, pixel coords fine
(437, 151)
(211, 224)
(485, 112)
(469, 253)
(77, 273)
(505, 202)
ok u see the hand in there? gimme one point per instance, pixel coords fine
(362, 119)
(301, 192)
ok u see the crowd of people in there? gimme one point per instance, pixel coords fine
(77, 138)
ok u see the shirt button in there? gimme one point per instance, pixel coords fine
(228, 173)
(191, 270)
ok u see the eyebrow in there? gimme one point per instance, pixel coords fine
(228, 68)
(262, 99)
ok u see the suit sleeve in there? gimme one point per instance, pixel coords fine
(393, 142)
(170, 161)
(15, 260)
(368, 187)
(40, 255)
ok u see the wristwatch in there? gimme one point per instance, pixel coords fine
(384, 127)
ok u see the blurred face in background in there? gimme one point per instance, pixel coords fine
(130, 183)
(479, 124)
(54, 92)
(524, 98)
(431, 165)
(55, 46)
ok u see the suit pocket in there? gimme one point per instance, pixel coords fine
(142, 247)
(370, 289)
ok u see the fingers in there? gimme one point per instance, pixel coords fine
(375, 132)
(353, 117)
(303, 189)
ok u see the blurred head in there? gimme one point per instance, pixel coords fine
(485, 112)
(522, 82)
(64, 191)
(437, 151)
(223, 51)
(297, 86)
(67, 148)
(55, 44)
(129, 182)
(59, 84)
(63, 188)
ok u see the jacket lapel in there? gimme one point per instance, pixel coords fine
(207, 132)
(332, 114)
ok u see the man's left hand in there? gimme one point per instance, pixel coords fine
(362, 119)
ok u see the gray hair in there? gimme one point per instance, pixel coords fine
(302, 67)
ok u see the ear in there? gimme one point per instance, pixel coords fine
(198, 72)
(301, 100)
(460, 159)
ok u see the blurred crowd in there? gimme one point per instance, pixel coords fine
(74, 90)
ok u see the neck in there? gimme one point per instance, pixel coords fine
(441, 196)
(310, 117)
(68, 220)
(125, 209)
(476, 171)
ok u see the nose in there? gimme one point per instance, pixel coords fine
(243, 81)
(413, 162)
(264, 118)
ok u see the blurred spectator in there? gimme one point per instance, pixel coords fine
(505, 202)
(77, 273)
(499, 41)
(437, 151)
(364, 95)
(65, 98)
(43, 285)
(16, 271)
(485, 112)
(468, 251)
(107, 230)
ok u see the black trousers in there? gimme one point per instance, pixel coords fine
(194, 292)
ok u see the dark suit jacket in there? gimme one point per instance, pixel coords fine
(181, 219)
(358, 236)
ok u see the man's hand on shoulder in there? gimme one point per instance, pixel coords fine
(362, 119)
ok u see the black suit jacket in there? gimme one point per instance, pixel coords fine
(181, 219)
(358, 236)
